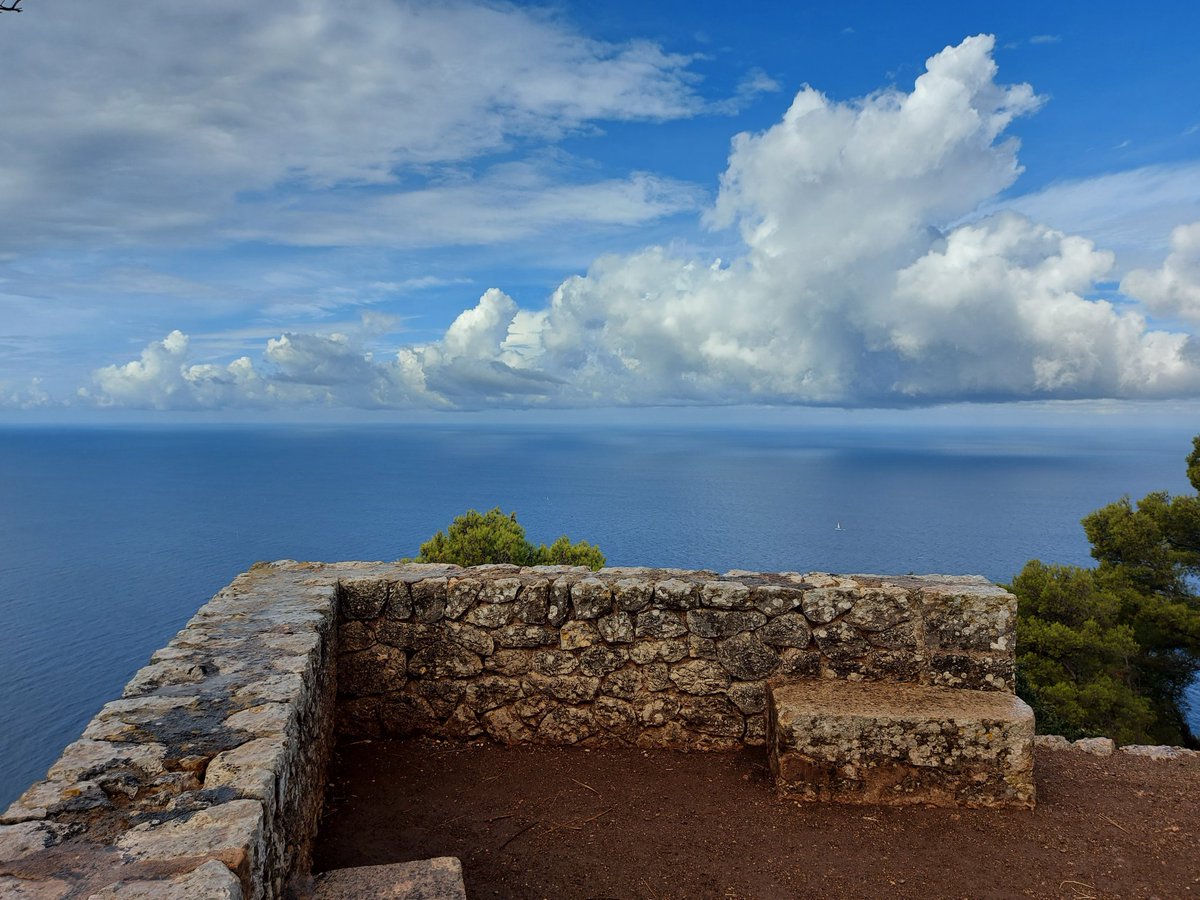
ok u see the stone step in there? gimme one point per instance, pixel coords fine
(439, 878)
(897, 744)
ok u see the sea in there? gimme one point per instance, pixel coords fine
(111, 538)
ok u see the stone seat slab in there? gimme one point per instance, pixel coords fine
(900, 744)
(440, 878)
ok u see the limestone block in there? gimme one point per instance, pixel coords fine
(786, 630)
(1097, 746)
(252, 770)
(659, 624)
(45, 889)
(555, 662)
(444, 660)
(624, 684)
(230, 832)
(712, 715)
(975, 671)
(460, 596)
(676, 593)
(967, 613)
(700, 676)
(533, 603)
(517, 636)
(591, 598)
(428, 600)
(900, 744)
(362, 598)
(491, 615)
(577, 635)
(644, 652)
(601, 660)
(824, 604)
(725, 595)
(210, 881)
(746, 657)
(715, 623)
(499, 590)
(565, 725)
(840, 640)
(632, 595)
(374, 671)
(774, 600)
(473, 638)
(1160, 751)
(616, 628)
(440, 878)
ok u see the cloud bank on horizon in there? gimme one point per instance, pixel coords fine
(865, 276)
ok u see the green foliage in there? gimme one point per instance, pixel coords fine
(475, 539)
(1109, 651)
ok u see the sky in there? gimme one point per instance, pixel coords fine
(395, 211)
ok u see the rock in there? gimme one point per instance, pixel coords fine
(407, 635)
(879, 610)
(624, 683)
(659, 623)
(505, 726)
(675, 593)
(773, 600)
(491, 615)
(558, 608)
(749, 697)
(440, 878)
(490, 691)
(802, 663)
(577, 635)
(442, 694)
(374, 671)
(353, 635)
(644, 652)
(973, 671)
(566, 688)
(616, 716)
(499, 590)
(471, 637)
(516, 636)
(839, 640)
(533, 603)
(362, 598)
(250, 770)
(444, 660)
(555, 662)
(965, 614)
(746, 657)
(211, 880)
(1159, 751)
(1051, 742)
(699, 676)
(701, 647)
(714, 623)
(823, 605)
(565, 725)
(509, 662)
(656, 676)
(229, 832)
(712, 715)
(725, 595)
(429, 599)
(461, 594)
(657, 712)
(1097, 746)
(632, 595)
(591, 598)
(787, 630)
(616, 628)
(602, 660)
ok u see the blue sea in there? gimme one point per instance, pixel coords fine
(111, 538)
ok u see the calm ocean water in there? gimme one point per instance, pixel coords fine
(110, 539)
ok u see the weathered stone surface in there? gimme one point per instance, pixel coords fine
(725, 595)
(473, 638)
(516, 636)
(616, 716)
(362, 598)
(440, 878)
(491, 615)
(566, 688)
(659, 624)
(577, 635)
(840, 640)
(656, 676)
(444, 660)
(675, 593)
(359, 716)
(460, 595)
(616, 628)
(499, 590)
(602, 660)
(749, 696)
(1097, 746)
(509, 662)
(1160, 751)
(880, 609)
(659, 711)
(533, 603)
(491, 691)
(715, 623)
(774, 600)
(632, 595)
(712, 715)
(967, 613)
(353, 636)
(406, 635)
(374, 671)
(209, 881)
(565, 725)
(442, 694)
(644, 652)
(558, 607)
(429, 599)
(625, 684)
(900, 744)
(230, 832)
(701, 647)
(746, 657)
(1051, 742)
(823, 605)
(786, 630)
(505, 726)
(983, 672)
(251, 770)
(555, 662)
(700, 676)
(591, 598)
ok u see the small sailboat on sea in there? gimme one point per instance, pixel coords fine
(838, 527)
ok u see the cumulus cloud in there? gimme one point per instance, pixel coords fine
(1174, 289)
(859, 284)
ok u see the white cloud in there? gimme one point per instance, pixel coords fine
(1174, 289)
(855, 288)
(184, 117)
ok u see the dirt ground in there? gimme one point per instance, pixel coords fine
(568, 823)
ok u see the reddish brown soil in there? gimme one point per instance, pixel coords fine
(569, 823)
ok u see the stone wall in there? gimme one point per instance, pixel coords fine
(648, 657)
(206, 779)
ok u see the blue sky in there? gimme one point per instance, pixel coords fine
(395, 210)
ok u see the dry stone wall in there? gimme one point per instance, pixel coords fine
(648, 657)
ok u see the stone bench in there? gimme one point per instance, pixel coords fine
(898, 744)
